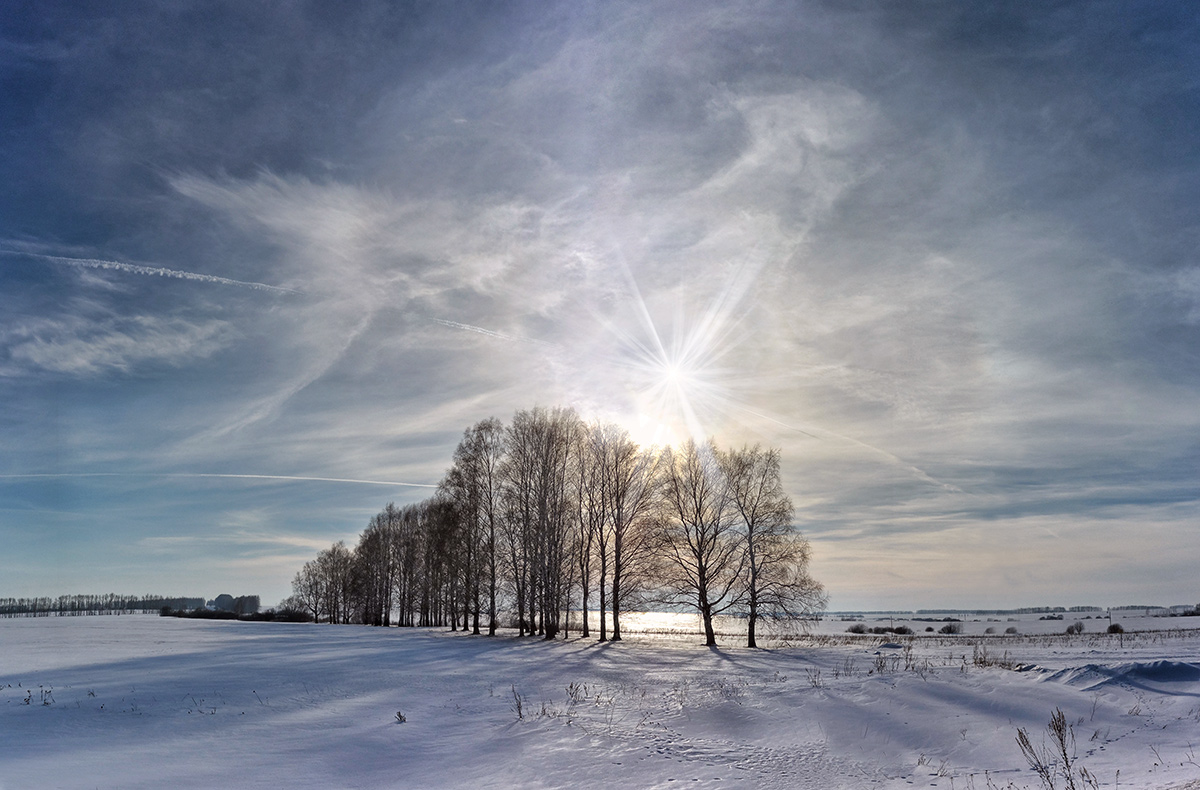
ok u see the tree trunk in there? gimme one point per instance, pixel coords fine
(616, 593)
(750, 624)
(710, 636)
(604, 599)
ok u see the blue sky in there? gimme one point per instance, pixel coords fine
(942, 254)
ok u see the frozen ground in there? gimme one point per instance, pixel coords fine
(148, 702)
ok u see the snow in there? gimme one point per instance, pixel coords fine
(143, 701)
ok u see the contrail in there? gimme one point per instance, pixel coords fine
(225, 476)
(772, 419)
(490, 333)
(895, 460)
(131, 268)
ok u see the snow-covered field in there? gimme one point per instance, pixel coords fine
(143, 701)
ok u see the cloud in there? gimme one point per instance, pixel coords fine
(79, 346)
(541, 271)
(941, 256)
(244, 541)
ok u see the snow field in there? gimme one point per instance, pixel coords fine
(143, 701)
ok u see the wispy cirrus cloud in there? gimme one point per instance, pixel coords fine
(244, 540)
(79, 346)
(940, 255)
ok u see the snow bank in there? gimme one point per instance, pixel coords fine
(1094, 676)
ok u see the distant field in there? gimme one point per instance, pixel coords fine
(731, 628)
(977, 624)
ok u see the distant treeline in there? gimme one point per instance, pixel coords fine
(1022, 610)
(77, 605)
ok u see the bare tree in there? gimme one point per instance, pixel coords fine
(539, 487)
(488, 448)
(375, 567)
(308, 588)
(442, 588)
(631, 491)
(593, 538)
(474, 483)
(408, 551)
(700, 545)
(325, 584)
(775, 584)
(458, 488)
(519, 472)
(335, 565)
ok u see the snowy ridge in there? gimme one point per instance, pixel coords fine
(1093, 676)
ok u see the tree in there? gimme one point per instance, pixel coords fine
(408, 551)
(335, 567)
(487, 448)
(591, 499)
(459, 490)
(703, 561)
(631, 489)
(441, 580)
(538, 490)
(474, 483)
(246, 604)
(308, 590)
(376, 567)
(775, 583)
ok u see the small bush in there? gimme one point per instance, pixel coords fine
(1116, 628)
(928, 629)
(879, 630)
(951, 628)
(1075, 628)
(989, 630)
(1012, 629)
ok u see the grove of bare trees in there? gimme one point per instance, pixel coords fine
(551, 521)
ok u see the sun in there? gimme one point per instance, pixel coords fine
(678, 388)
(672, 366)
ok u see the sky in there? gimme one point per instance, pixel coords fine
(261, 264)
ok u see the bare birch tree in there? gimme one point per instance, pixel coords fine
(775, 583)
(702, 554)
(631, 482)
(539, 488)
(334, 571)
(592, 520)
(473, 482)
(308, 589)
